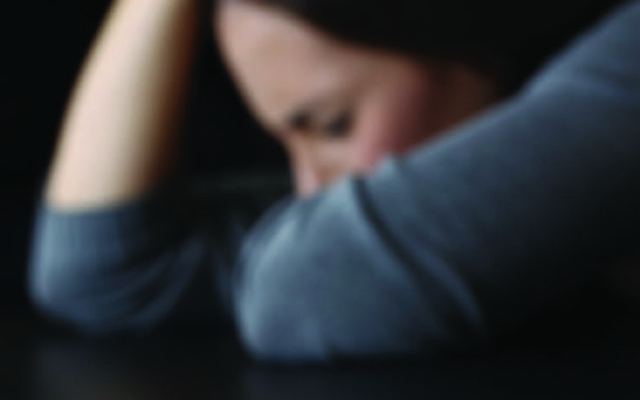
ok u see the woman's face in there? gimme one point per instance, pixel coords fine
(337, 109)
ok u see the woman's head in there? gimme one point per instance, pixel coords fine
(344, 83)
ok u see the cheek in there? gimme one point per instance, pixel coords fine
(390, 124)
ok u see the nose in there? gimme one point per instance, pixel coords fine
(309, 178)
(316, 166)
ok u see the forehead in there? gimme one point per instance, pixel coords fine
(246, 29)
(277, 59)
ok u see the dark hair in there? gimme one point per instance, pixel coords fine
(508, 41)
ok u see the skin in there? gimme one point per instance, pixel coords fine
(120, 137)
(336, 107)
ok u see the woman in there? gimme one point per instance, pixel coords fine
(383, 250)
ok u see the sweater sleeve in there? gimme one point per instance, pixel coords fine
(165, 257)
(462, 239)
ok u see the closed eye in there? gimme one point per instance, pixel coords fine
(338, 127)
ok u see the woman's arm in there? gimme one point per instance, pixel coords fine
(114, 246)
(119, 136)
(465, 238)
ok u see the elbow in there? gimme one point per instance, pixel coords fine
(62, 297)
(285, 317)
(100, 300)
(269, 335)
(61, 284)
(53, 294)
(275, 330)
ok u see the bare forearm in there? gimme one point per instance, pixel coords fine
(119, 136)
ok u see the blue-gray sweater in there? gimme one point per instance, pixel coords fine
(437, 249)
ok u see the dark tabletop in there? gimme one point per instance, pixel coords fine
(201, 362)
